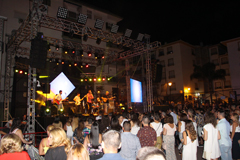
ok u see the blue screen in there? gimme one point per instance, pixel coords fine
(136, 90)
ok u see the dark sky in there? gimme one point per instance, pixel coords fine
(193, 21)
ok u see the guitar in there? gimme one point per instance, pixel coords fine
(105, 99)
(79, 102)
(55, 101)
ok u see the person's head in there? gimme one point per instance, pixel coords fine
(210, 118)
(183, 117)
(233, 107)
(16, 123)
(221, 114)
(170, 109)
(120, 119)
(78, 94)
(126, 126)
(49, 128)
(156, 117)
(111, 141)
(125, 114)
(169, 119)
(24, 117)
(94, 135)
(107, 93)
(190, 127)
(163, 114)
(58, 137)
(10, 143)
(190, 112)
(89, 91)
(235, 117)
(60, 92)
(115, 124)
(89, 121)
(78, 152)
(150, 153)
(145, 120)
(56, 119)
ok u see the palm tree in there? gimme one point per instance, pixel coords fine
(208, 74)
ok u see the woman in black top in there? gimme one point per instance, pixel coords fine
(60, 145)
(78, 133)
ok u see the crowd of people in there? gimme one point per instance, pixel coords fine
(130, 136)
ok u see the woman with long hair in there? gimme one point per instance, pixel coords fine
(189, 144)
(78, 136)
(211, 135)
(15, 129)
(157, 126)
(68, 128)
(168, 137)
(134, 124)
(115, 124)
(181, 128)
(235, 136)
(93, 142)
(59, 145)
(57, 123)
(104, 123)
(78, 152)
(44, 145)
(11, 148)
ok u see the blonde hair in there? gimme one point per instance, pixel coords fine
(59, 138)
(11, 143)
(236, 116)
(50, 127)
(75, 123)
(78, 152)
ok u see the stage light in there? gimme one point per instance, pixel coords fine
(86, 79)
(75, 64)
(89, 54)
(50, 59)
(109, 79)
(66, 52)
(47, 110)
(62, 12)
(90, 79)
(61, 110)
(96, 55)
(69, 65)
(128, 33)
(85, 37)
(43, 77)
(25, 73)
(98, 40)
(73, 51)
(87, 65)
(103, 79)
(48, 47)
(57, 63)
(57, 47)
(103, 57)
(99, 24)
(20, 71)
(99, 79)
(94, 79)
(81, 80)
(81, 52)
(114, 28)
(62, 62)
(16, 70)
(140, 37)
(98, 92)
(82, 18)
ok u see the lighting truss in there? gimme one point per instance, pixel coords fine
(114, 28)
(99, 24)
(62, 12)
(82, 18)
(128, 33)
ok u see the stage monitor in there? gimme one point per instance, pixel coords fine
(61, 82)
(136, 90)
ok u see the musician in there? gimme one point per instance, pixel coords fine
(78, 100)
(89, 101)
(58, 99)
(106, 99)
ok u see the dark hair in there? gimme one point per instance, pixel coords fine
(222, 112)
(190, 127)
(15, 124)
(145, 119)
(80, 129)
(210, 118)
(171, 109)
(105, 122)
(56, 119)
(115, 124)
(169, 119)
(89, 120)
(156, 116)
(183, 117)
(94, 135)
(125, 115)
(60, 91)
(127, 126)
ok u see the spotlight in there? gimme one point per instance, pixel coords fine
(73, 51)
(75, 64)
(87, 65)
(66, 52)
(81, 52)
(20, 71)
(109, 79)
(86, 79)
(99, 79)
(90, 79)
(96, 55)
(114, 28)
(69, 65)
(98, 40)
(47, 110)
(128, 33)
(103, 57)
(94, 79)
(16, 70)
(81, 80)
(103, 79)
(99, 24)
(61, 109)
(140, 37)
(62, 12)
(25, 73)
(62, 62)
(89, 54)
(82, 18)
(85, 37)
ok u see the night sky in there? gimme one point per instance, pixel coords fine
(209, 22)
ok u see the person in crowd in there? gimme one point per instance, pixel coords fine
(78, 136)
(104, 124)
(78, 152)
(189, 146)
(120, 119)
(68, 128)
(15, 129)
(114, 125)
(59, 145)
(93, 142)
(174, 115)
(44, 145)
(111, 143)
(11, 148)
(147, 135)
(168, 137)
(88, 125)
(75, 121)
(225, 143)
(163, 115)
(24, 120)
(134, 124)
(235, 136)
(211, 135)
(181, 129)
(200, 124)
(57, 123)
(125, 117)
(192, 118)
(150, 153)
(157, 126)
(130, 143)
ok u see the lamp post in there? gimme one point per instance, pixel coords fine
(170, 84)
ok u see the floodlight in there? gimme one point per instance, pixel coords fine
(114, 28)
(87, 65)
(140, 37)
(57, 47)
(89, 54)
(128, 33)
(99, 24)
(82, 18)
(62, 12)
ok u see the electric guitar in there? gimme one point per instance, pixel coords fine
(55, 101)
(79, 102)
(105, 99)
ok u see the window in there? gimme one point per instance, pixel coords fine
(193, 52)
(218, 85)
(171, 74)
(227, 84)
(227, 72)
(162, 63)
(215, 61)
(169, 50)
(170, 62)
(213, 51)
(173, 87)
(163, 75)
(161, 52)
(224, 60)
(196, 86)
(89, 14)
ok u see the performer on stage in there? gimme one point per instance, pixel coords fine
(78, 102)
(58, 100)
(106, 99)
(89, 101)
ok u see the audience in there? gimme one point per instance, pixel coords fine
(130, 143)
(235, 136)
(88, 123)
(57, 123)
(59, 145)
(78, 152)
(78, 136)
(181, 129)
(11, 148)
(157, 126)
(44, 145)
(68, 128)
(150, 153)
(115, 124)
(134, 124)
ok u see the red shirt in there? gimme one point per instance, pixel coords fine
(89, 98)
(13, 156)
(147, 135)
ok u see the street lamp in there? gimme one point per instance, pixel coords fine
(170, 84)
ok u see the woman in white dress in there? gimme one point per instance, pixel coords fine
(157, 126)
(181, 128)
(189, 142)
(211, 135)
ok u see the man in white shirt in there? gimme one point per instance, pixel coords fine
(170, 110)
